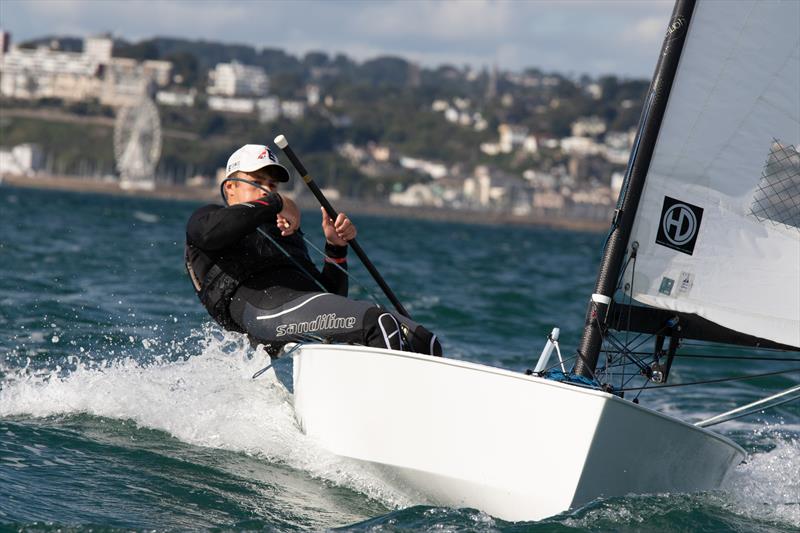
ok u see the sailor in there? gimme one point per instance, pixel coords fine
(251, 269)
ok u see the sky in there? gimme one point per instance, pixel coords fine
(595, 37)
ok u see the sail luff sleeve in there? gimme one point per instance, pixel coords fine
(617, 243)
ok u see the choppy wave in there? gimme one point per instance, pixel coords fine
(209, 400)
(767, 486)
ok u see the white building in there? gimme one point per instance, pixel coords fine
(45, 73)
(355, 154)
(231, 105)
(451, 114)
(540, 180)
(462, 104)
(580, 146)
(618, 157)
(98, 48)
(588, 127)
(439, 105)
(235, 79)
(511, 137)
(597, 196)
(177, 98)
(482, 190)
(548, 199)
(490, 148)
(72, 76)
(478, 188)
(595, 91)
(293, 109)
(126, 80)
(530, 144)
(312, 94)
(379, 153)
(269, 109)
(552, 144)
(417, 194)
(160, 72)
(620, 140)
(434, 170)
(618, 146)
(23, 159)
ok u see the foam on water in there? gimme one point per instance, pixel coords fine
(765, 490)
(142, 216)
(209, 399)
(767, 486)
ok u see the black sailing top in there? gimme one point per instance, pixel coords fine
(226, 237)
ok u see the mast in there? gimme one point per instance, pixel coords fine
(643, 148)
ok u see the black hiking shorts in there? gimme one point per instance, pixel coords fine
(278, 315)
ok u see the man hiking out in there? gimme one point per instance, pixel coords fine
(250, 267)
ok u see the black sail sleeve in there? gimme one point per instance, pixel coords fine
(213, 227)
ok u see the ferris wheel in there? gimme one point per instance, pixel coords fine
(137, 144)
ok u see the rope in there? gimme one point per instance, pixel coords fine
(292, 259)
(281, 248)
(743, 347)
(636, 398)
(623, 347)
(720, 380)
(346, 272)
(725, 357)
(627, 353)
(558, 363)
(630, 297)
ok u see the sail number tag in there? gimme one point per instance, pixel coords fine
(679, 225)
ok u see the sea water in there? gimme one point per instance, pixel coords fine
(123, 407)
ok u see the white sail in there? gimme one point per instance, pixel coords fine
(718, 225)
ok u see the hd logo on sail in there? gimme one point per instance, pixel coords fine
(679, 225)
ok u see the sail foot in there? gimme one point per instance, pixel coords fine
(655, 321)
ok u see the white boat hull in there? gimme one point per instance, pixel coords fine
(517, 447)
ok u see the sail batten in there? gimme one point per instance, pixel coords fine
(718, 223)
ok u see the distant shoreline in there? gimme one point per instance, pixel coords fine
(355, 207)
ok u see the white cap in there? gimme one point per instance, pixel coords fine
(251, 157)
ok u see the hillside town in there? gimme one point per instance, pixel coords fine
(499, 163)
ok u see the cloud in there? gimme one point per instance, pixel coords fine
(572, 36)
(646, 31)
(434, 20)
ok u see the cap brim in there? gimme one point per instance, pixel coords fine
(276, 171)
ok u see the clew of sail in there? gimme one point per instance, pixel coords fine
(718, 224)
